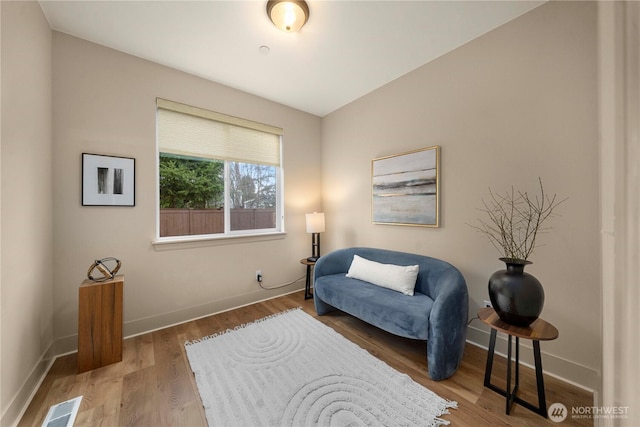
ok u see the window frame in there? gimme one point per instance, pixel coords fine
(253, 234)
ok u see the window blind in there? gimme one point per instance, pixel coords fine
(193, 131)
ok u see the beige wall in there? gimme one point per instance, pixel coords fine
(513, 105)
(26, 222)
(104, 103)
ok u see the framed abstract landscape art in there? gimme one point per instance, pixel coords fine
(405, 188)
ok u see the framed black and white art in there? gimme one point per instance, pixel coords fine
(108, 180)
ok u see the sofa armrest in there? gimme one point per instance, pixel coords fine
(447, 325)
(334, 262)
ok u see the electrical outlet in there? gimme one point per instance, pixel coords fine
(487, 303)
(259, 275)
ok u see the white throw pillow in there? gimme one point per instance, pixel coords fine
(397, 277)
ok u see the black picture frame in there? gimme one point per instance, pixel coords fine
(108, 180)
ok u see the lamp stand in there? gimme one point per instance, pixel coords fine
(315, 247)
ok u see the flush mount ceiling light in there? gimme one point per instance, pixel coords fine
(288, 15)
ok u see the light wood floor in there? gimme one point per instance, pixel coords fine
(153, 385)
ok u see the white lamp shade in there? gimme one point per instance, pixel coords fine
(315, 223)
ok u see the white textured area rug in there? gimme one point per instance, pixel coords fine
(291, 370)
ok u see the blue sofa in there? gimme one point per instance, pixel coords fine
(436, 313)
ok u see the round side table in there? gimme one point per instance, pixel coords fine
(536, 332)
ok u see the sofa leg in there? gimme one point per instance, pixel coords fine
(441, 364)
(322, 307)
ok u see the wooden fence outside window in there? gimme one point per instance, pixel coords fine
(188, 222)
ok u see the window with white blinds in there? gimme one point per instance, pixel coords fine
(218, 174)
(187, 130)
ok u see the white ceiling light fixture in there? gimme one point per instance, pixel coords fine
(288, 15)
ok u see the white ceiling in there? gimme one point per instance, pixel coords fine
(347, 49)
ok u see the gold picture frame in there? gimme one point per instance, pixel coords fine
(405, 188)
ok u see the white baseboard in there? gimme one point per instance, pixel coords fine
(574, 373)
(69, 344)
(21, 400)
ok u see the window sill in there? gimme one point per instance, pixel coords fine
(184, 242)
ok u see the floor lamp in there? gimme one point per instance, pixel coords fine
(315, 226)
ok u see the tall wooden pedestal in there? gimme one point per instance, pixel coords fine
(100, 323)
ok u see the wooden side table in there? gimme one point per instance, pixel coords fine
(307, 285)
(100, 323)
(536, 332)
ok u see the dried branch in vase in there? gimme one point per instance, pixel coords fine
(515, 219)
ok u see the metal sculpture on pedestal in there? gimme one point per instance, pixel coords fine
(108, 267)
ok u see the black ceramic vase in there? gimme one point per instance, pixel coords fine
(516, 296)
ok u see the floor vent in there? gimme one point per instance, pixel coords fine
(63, 414)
